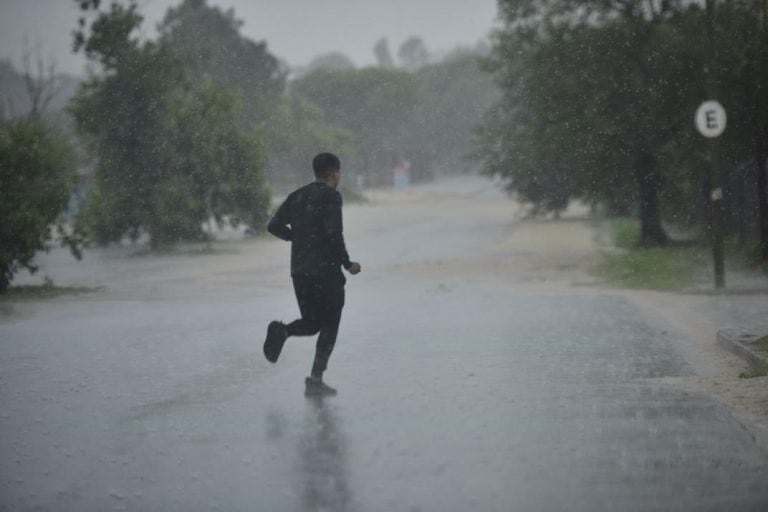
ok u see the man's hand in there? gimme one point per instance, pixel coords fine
(354, 268)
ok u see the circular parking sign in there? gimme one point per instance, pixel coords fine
(710, 119)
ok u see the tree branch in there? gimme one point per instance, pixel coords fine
(42, 86)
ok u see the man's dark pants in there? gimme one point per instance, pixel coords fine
(321, 299)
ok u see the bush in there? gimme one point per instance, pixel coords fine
(37, 177)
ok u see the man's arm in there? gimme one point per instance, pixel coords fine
(332, 223)
(279, 224)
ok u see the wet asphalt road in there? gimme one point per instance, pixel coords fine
(455, 393)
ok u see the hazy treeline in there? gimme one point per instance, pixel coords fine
(389, 115)
(599, 100)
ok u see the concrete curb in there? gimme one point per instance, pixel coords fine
(740, 342)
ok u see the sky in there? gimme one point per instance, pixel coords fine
(295, 30)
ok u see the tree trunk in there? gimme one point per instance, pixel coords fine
(762, 148)
(652, 233)
(762, 201)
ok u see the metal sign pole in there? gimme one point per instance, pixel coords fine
(710, 120)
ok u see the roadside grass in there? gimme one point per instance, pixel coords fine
(761, 344)
(668, 268)
(624, 232)
(757, 371)
(656, 269)
(47, 290)
(746, 254)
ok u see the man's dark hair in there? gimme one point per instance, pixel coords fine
(324, 164)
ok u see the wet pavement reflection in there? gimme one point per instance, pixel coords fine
(322, 458)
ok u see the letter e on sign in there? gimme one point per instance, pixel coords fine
(710, 119)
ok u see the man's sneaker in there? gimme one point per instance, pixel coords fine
(316, 387)
(276, 335)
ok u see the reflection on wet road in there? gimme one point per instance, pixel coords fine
(324, 484)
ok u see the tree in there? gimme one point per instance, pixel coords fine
(600, 90)
(390, 115)
(54, 91)
(120, 114)
(298, 131)
(383, 56)
(762, 135)
(740, 72)
(170, 152)
(37, 176)
(42, 85)
(586, 84)
(378, 106)
(455, 93)
(413, 53)
(335, 61)
(207, 42)
(216, 166)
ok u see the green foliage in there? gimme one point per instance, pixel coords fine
(219, 163)
(761, 343)
(424, 116)
(37, 176)
(583, 107)
(109, 41)
(741, 63)
(599, 99)
(207, 43)
(625, 232)
(668, 268)
(299, 130)
(654, 268)
(378, 106)
(455, 93)
(334, 60)
(752, 373)
(171, 155)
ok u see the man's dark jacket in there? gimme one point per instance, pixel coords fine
(310, 218)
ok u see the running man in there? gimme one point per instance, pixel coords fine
(310, 218)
